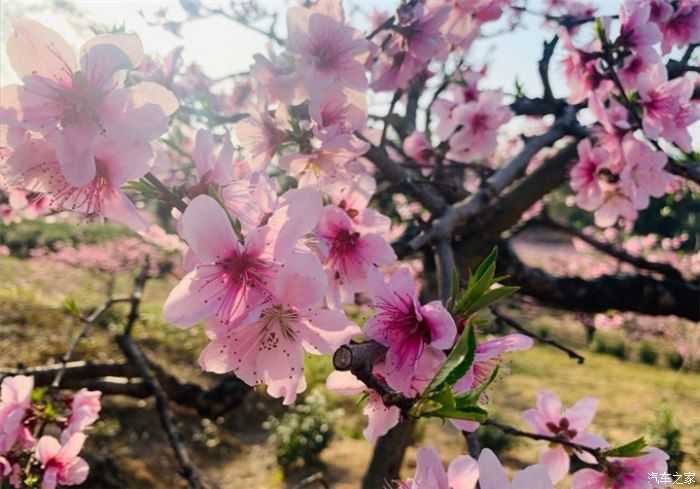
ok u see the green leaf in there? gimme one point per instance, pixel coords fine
(631, 449)
(489, 298)
(470, 413)
(455, 286)
(463, 349)
(445, 397)
(471, 397)
(461, 369)
(486, 264)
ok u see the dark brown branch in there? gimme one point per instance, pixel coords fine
(167, 418)
(132, 352)
(634, 293)
(507, 321)
(74, 371)
(415, 185)
(543, 67)
(552, 439)
(504, 177)
(609, 249)
(445, 263)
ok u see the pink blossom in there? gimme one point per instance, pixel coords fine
(85, 410)
(350, 255)
(550, 419)
(416, 146)
(35, 166)
(624, 473)
(408, 53)
(585, 175)
(643, 176)
(480, 122)
(636, 31)
(327, 51)
(668, 109)
(15, 401)
(260, 135)
(230, 278)
(279, 78)
(462, 473)
(269, 345)
(683, 26)
(406, 327)
(61, 463)
(580, 68)
(75, 105)
(338, 110)
(353, 197)
(492, 475)
(488, 356)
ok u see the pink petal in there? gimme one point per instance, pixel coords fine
(380, 419)
(207, 229)
(301, 283)
(73, 148)
(344, 383)
(47, 448)
(326, 330)
(298, 213)
(74, 473)
(102, 56)
(549, 405)
(72, 448)
(429, 470)
(581, 414)
(117, 207)
(442, 326)
(193, 298)
(492, 475)
(588, 479)
(531, 477)
(557, 462)
(463, 473)
(34, 49)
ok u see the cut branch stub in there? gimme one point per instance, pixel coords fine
(356, 355)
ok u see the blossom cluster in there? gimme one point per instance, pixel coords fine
(24, 418)
(628, 88)
(76, 132)
(549, 419)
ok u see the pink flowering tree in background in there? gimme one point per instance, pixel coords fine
(360, 161)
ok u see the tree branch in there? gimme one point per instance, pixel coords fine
(609, 249)
(507, 321)
(635, 293)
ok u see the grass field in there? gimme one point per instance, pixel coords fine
(129, 448)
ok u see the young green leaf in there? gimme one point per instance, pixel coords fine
(471, 397)
(488, 298)
(631, 449)
(462, 351)
(470, 413)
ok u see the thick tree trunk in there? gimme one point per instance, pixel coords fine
(388, 455)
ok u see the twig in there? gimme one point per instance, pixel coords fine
(544, 67)
(136, 296)
(503, 319)
(387, 24)
(445, 263)
(552, 439)
(167, 418)
(133, 354)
